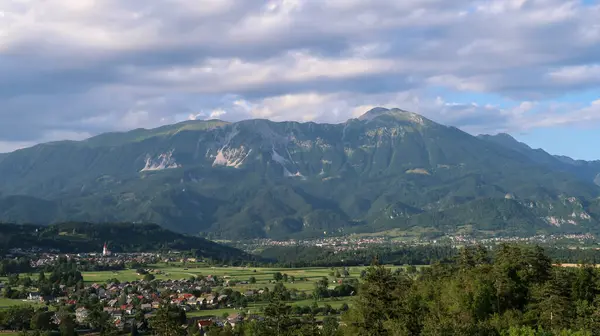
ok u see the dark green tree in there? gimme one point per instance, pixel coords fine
(168, 320)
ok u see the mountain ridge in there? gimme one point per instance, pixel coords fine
(259, 178)
(587, 170)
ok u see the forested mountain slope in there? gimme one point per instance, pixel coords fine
(257, 178)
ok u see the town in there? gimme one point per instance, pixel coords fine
(355, 242)
(128, 289)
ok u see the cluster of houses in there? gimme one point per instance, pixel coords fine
(123, 301)
(102, 259)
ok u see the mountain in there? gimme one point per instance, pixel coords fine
(586, 170)
(120, 237)
(387, 169)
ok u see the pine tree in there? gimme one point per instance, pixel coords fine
(168, 321)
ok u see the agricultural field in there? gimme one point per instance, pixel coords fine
(304, 277)
(5, 303)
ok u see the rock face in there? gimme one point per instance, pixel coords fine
(256, 178)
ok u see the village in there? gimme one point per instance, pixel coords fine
(130, 288)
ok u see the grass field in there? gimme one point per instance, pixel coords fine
(5, 303)
(304, 277)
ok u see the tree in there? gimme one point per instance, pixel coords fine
(193, 330)
(41, 277)
(168, 320)
(134, 331)
(252, 280)
(308, 326)
(123, 298)
(378, 301)
(277, 319)
(67, 323)
(320, 290)
(18, 317)
(42, 320)
(149, 277)
(99, 320)
(584, 284)
(278, 276)
(330, 326)
(551, 301)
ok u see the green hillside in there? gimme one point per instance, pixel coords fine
(257, 178)
(120, 237)
(586, 170)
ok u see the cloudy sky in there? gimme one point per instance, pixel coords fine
(74, 68)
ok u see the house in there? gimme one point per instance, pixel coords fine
(34, 296)
(235, 318)
(211, 300)
(146, 306)
(116, 316)
(55, 319)
(81, 315)
(204, 324)
(222, 298)
(47, 298)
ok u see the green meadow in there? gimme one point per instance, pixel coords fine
(304, 277)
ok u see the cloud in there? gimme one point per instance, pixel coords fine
(77, 67)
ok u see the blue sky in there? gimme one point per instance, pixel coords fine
(70, 69)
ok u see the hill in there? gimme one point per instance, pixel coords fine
(258, 178)
(586, 170)
(120, 237)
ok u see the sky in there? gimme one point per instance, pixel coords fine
(70, 69)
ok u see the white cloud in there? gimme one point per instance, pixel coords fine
(579, 74)
(584, 116)
(87, 66)
(216, 114)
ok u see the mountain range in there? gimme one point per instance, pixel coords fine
(388, 169)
